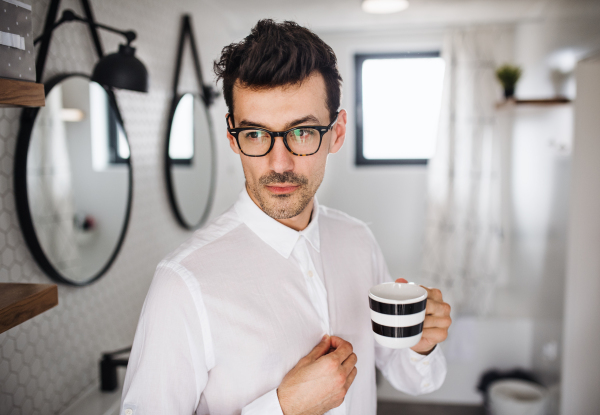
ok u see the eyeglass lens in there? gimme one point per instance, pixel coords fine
(299, 140)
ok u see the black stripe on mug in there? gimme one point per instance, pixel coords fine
(397, 331)
(397, 309)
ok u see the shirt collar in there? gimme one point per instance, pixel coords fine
(280, 237)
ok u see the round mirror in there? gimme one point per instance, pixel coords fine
(73, 180)
(190, 161)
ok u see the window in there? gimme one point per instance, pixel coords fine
(398, 100)
(181, 136)
(119, 148)
(109, 143)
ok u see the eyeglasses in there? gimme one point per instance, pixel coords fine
(300, 141)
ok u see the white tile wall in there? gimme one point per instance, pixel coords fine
(46, 362)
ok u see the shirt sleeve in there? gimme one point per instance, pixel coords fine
(405, 369)
(172, 352)
(164, 376)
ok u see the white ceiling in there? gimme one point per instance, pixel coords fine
(346, 15)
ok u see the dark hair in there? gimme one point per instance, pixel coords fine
(277, 54)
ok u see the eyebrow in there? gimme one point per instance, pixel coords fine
(299, 121)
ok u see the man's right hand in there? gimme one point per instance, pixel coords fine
(320, 380)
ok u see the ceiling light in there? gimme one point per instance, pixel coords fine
(384, 6)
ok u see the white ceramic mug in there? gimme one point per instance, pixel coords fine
(397, 313)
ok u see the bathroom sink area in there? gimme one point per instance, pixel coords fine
(95, 402)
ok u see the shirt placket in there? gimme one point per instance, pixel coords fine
(314, 284)
(318, 297)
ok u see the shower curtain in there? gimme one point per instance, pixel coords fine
(465, 252)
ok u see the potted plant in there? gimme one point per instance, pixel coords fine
(508, 75)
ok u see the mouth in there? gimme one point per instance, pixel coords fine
(282, 189)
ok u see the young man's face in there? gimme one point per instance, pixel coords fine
(281, 183)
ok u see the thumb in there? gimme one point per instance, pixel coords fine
(320, 349)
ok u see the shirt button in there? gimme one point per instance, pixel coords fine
(414, 359)
(425, 363)
(310, 273)
(128, 412)
(426, 384)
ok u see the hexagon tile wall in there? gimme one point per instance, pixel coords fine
(48, 361)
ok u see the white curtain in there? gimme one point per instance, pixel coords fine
(466, 230)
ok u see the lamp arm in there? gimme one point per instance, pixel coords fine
(69, 15)
(128, 34)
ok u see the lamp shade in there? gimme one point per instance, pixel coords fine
(122, 70)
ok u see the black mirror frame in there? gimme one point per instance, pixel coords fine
(27, 121)
(207, 95)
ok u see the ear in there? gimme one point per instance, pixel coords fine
(232, 140)
(338, 132)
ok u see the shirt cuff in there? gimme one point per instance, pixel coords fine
(429, 367)
(268, 404)
(422, 358)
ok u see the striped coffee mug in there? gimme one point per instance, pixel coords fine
(397, 313)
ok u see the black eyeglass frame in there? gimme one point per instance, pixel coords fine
(322, 129)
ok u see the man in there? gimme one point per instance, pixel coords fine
(265, 310)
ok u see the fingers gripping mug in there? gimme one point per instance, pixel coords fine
(397, 313)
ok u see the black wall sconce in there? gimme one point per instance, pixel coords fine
(118, 70)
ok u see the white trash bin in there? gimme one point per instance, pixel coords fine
(517, 397)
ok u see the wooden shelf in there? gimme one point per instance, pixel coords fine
(549, 101)
(20, 302)
(15, 93)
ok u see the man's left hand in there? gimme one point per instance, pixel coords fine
(437, 321)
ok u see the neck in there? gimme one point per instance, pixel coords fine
(298, 222)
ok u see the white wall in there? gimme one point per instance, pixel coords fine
(542, 170)
(581, 362)
(540, 181)
(391, 199)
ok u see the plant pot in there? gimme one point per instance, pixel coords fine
(509, 92)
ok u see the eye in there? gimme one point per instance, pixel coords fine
(303, 133)
(255, 135)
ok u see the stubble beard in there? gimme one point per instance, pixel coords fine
(283, 206)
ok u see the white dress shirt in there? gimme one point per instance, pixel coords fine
(234, 308)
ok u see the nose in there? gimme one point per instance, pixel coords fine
(280, 159)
